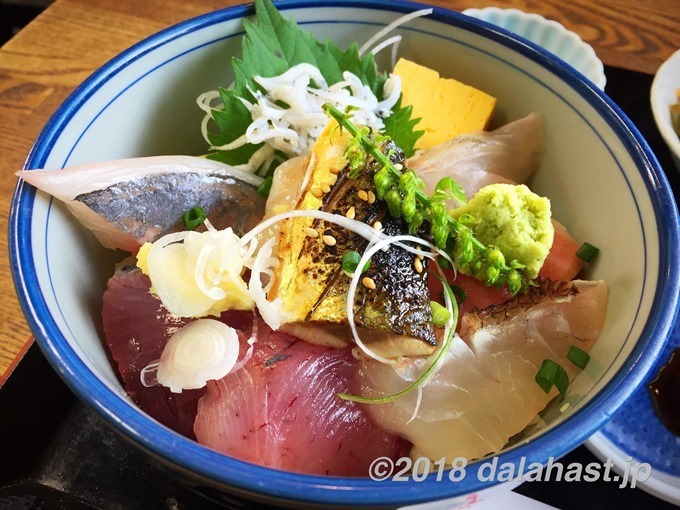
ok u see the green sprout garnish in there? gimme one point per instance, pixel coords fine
(403, 191)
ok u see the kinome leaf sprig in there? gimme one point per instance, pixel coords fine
(403, 191)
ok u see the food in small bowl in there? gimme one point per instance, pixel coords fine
(349, 234)
(664, 100)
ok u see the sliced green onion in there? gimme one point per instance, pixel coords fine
(266, 186)
(350, 261)
(552, 374)
(443, 263)
(587, 252)
(194, 218)
(459, 293)
(426, 374)
(440, 315)
(578, 357)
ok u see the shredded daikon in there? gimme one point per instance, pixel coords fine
(271, 311)
(395, 24)
(251, 345)
(203, 350)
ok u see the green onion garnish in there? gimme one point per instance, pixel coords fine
(443, 263)
(459, 293)
(587, 252)
(578, 357)
(194, 218)
(440, 315)
(266, 186)
(350, 261)
(551, 374)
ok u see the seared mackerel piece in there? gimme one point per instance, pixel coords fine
(392, 305)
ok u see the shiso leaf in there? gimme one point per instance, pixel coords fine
(273, 45)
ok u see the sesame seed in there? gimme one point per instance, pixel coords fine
(317, 192)
(399, 166)
(334, 170)
(377, 225)
(368, 283)
(333, 179)
(351, 212)
(329, 240)
(418, 265)
(325, 188)
(310, 232)
(371, 197)
(362, 195)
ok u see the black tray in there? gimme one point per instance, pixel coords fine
(55, 453)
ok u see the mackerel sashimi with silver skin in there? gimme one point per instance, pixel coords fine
(128, 202)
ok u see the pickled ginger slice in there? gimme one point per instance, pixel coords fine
(128, 202)
(485, 391)
(509, 155)
(393, 307)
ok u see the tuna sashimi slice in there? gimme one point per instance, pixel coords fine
(128, 202)
(137, 327)
(281, 411)
(485, 391)
(285, 393)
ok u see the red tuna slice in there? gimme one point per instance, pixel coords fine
(128, 202)
(477, 293)
(281, 411)
(137, 327)
(562, 264)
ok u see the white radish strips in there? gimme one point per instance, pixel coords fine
(396, 23)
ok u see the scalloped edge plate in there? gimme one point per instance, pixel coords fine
(549, 34)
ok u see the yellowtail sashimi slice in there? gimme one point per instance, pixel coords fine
(509, 154)
(485, 391)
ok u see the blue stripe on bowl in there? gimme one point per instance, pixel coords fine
(218, 469)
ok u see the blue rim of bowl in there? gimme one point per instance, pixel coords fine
(217, 470)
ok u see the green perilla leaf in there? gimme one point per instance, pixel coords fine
(272, 45)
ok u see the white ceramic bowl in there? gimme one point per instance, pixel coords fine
(549, 34)
(663, 94)
(604, 183)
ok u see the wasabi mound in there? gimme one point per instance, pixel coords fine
(514, 219)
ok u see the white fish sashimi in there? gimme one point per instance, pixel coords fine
(485, 392)
(509, 154)
(131, 201)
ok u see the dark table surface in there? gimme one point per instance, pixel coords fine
(57, 454)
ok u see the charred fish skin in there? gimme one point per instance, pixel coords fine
(154, 205)
(401, 301)
(395, 299)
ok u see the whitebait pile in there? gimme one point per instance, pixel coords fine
(287, 114)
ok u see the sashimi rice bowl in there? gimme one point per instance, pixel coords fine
(346, 259)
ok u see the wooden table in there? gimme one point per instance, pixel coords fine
(42, 64)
